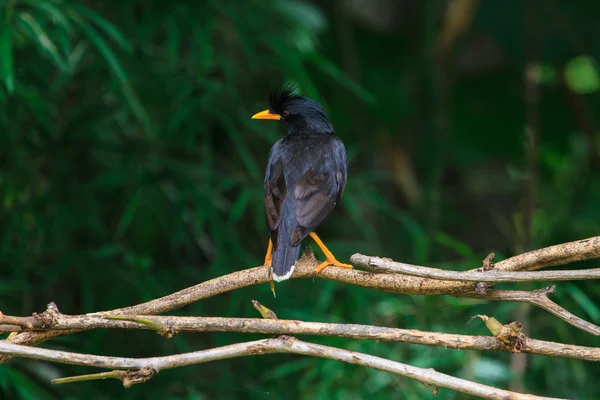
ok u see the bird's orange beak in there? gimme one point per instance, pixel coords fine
(266, 115)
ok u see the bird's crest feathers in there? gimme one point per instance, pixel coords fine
(279, 96)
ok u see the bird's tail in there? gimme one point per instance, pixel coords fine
(285, 255)
(284, 258)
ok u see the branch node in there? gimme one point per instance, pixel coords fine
(36, 321)
(510, 334)
(48, 317)
(481, 288)
(545, 291)
(487, 263)
(167, 331)
(287, 340)
(135, 376)
(307, 252)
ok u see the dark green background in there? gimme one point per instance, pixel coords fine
(130, 168)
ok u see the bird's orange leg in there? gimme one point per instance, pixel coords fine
(329, 258)
(268, 260)
(269, 255)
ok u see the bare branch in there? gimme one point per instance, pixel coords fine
(379, 264)
(173, 324)
(560, 254)
(394, 283)
(282, 344)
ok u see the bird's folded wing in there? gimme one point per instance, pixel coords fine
(275, 192)
(317, 193)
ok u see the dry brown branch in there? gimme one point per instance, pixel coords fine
(281, 344)
(494, 275)
(560, 254)
(52, 323)
(394, 283)
(170, 325)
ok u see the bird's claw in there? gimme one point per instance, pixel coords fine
(333, 262)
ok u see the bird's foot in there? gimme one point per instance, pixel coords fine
(329, 261)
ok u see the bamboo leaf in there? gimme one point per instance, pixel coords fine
(108, 28)
(116, 67)
(128, 214)
(54, 13)
(38, 35)
(6, 58)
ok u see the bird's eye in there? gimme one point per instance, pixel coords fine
(285, 113)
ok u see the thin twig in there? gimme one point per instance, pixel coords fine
(178, 324)
(494, 275)
(538, 298)
(129, 377)
(282, 344)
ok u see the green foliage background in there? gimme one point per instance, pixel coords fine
(130, 168)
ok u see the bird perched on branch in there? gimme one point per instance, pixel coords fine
(305, 179)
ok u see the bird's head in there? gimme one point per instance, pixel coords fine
(300, 114)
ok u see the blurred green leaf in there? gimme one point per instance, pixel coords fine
(587, 304)
(239, 206)
(106, 251)
(6, 56)
(458, 246)
(129, 213)
(52, 10)
(108, 28)
(288, 368)
(25, 388)
(581, 74)
(339, 76)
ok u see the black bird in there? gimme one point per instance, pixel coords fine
(304, 180)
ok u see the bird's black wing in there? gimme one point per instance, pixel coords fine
(275, 191)
(317, 193)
